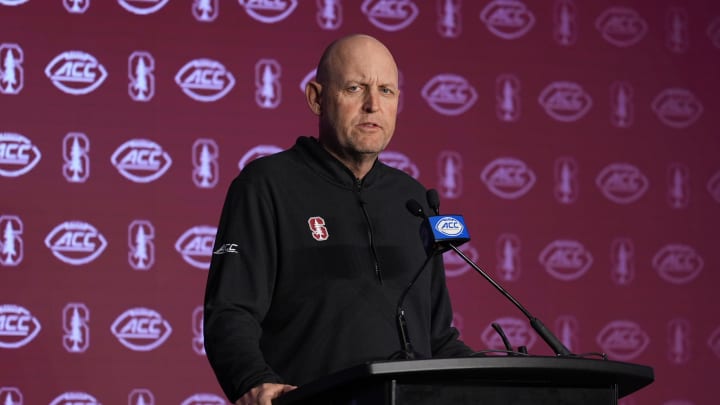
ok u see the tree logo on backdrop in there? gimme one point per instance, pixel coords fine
(198, 340)
(11, 68)
(76, 149)
(678, 186)
(567, 330)
(196, 246)
(713, 186)
(142, 7)
(566, 260)
(141, 329)
(507, 96)
(622, 183)
(713, 31)
(450, 178)
(75, 398)
(508, 178)
(11, 396)
(400, 161)
(567, 187)
(141, 160)
(76, 242)
(267, 83)
(714, 342)
(269, 11)
(565, 101)
(206, 170)
(565, 28)
(455, 266)
(621, 105)
(622, 259)
(679, 342)
(507, 251)
(204, 399)
(17, 326)
(507, 19)
(205, 80)
(621, 26)
(677, 33)
(141, 396)
(18, 155)
(516, 330)
(329, 14)
(449, 94)
(623, 340)
(258, 152)
(76, 72)
(141, 245)
(390, 15)
(449, 23)
(141, 86)
(677, 263)
(11, 241)
(76, 6)
(76, 327)
(677, 108)
(206, 10)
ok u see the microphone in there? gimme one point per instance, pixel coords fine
(438, 232)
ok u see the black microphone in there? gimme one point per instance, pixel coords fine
(439, 231)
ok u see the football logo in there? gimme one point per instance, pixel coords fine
(142, 7)
(329, 14)
(449, 94)
(677, 108)
(76, 149)
(390, 15)
(11, 69)
(141, 160)
(18, 155)
(507, 19)
(13, 2)
(76, 328)
(17, 326)
(455, 266)
(141, 329)
(196, 246)
(566, 260)
(565, 28)
(566, 188)
(76, 72)
(621, 26)
(204, 399)
(141, 66)
(268, 92)
(206, 170)
(450, 179)
(677, 263)
(400, 161)
(624, 340)
(508, 178)
(11, 241)
(269, 11)
(565, 101)
(75, 242)
(449, 22)
(75, 398)
(622, 183)
(258, 152)
(517, 331)
(205, 80)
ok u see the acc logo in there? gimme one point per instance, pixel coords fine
(11, 395)
(206, 171)
(204, 399)
(205, 80)
(678, 181)
(196, 246)
(329, 14)
(507, 19)
(141, 66)
(142, 7)
(622, 257)
(401, 162)
(517, 331)
(13, 2)
(449, 94)
(18, 155)
(565, 101)
(621, 26)
(713, 31)
(677, 263)
(75, 398)
(141, 160)
(621, 105)
(677, 36)
(566, 180)
(677, 108)
(449, 23)
(714, 342)
(449, 226)
(713, 186)
(269, 11)
(75, 6)
(141, 252)
(454, 265)
(622, 183)
(141, 396)
(141, 329)
(318, 230)
(11, 69)
(507, 250)
(567, 327)
(206, 11)
(678, 341)
(566, 260)
(76, 328)
(507, 92)
(11, 243)
(76, 149)
(565, 29)
(76, 72)
(450, 174)
(624, 340)
(75, 242)
(198, 340)
(390, 15)
(258, 152)
(267, 83)
(508, 178)
(17, 326)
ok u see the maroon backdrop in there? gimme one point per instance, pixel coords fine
(579, 140)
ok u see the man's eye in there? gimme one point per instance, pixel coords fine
(353, 88)
(386, 90)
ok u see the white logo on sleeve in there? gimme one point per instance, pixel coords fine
(76, 327)
(141, 245)
(206, 169)
(507, 19)
(141, 68)
(11, 68)
(449, 94)
(400, 161)
(198, 340)
(267, 83)
(18, 326)
(18, 155)
(11, 396)
(76, 242)
(75, 398)
(269, 11)
(330, 14)
(567, 187)
(205, 80)
(76, 72)
(196, 246)
(76, 6)
(677, 108)
(622, 183)
(565, 101)
(449, 22)
(206, 10)
(204, 399)
(508, 178)
(623, 339)
(141, 160)
(142, 7)
(141, 329)
(11, 241)
(450, 177)
(76, 154)
(141, 396)
(565, 28)
(621, 26)
(390, 15)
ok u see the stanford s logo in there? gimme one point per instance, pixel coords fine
(317, 229)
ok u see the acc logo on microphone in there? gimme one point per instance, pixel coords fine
(677, 108)
(621, 26)
(75, 398)
(198, 340)
(11, 69)
(269, 12)
(400, 161)
(258, 152)
(76, 72)
(142, 7)
(204, 399)
(622, 183)
(517, 331)
(196, 246)
(565, 101)
(449, 226)
(141, 329)
(76, 242)
(566, 260)
(17, 326)
(623, 340)
(141, 160)
(205, 80)
(449, 94)
(390, 15)
(11, 241)
(677, 263)
(507, 19)
(455, 266)
(18, 155)
(508, 178)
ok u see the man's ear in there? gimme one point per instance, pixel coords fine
(313, 95)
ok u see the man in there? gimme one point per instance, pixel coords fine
(315, 245)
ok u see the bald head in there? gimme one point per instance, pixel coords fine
(343, 50)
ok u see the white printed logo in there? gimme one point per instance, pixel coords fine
(677, 108)
(565, 101)
(450, 179)
(566, 260)
(76, 6)
(141, 245)
(622, 259)
(76, 72)
(267, 83)
(621, 26)
(13, 2)
(449, 226)
(141, 329)
(11, 243)
(11, 68)
(400, 161)
(678, 338)
(567, 330)
(677, 35)
(449, 23)
(206, 170)
(507, 96)
(141, 160)
(455, 266)
(141, 66)
(623, 340)
(256, 153)
(677, 263)
(206, 10)
(142, 7)
(507, 251)
(75, 398)
(75, 242)
(329, 14)
(196, 246)
(198, 340)
(18, 155)
(713, 186)
(507, 19)
(11, 396)
(622, 183)
(713, 31)
(76, 328)
(714, 342)
(565, 28)
(205, 80)
(141, 396)
(508, 178)
(621, 105)
(269, 11)
(449, 94)
(76, 149)
(678, 190)
(204, 399)
(390, 15)
(17, 326)
(517, 331)
(567, 187)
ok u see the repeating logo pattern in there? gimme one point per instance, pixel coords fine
(141, 160)
(449, 22)
(141, 396)
(141, 68)
(567, 185)
(206, 10)
(269, 11)
(565, 101)
(622, 109)
(677, 107)
(206, 169)
(677, 30)
(330, 14)
(390, 15)
(18, 155)
(677, 263)
(11, 395)
(508, 177)
(679, 341)
(205, 80)
(18, 326)
(566, 260)
(141, 329)
(75, 397)
(76, 154)
(507, 250)
(565, 27)
(622, 183)
(507, 19)
(267, 83)
(76, 327)
(449, 94)
(198, 340)
(567, 330)
(141, 244)
(76, 242)
(623, 340)
(196, 246)
(622, 258)
(11, 241)
(678, 186)
(621, 26)
(507, 94)
(400, 161)
(11, 68)
(76, 6)
(142, 7)
(76, 72)
(450, 178)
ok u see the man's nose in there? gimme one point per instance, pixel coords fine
(372, 101)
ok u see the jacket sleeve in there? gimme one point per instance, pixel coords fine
(239, 288)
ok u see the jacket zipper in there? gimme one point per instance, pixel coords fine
(371, 239)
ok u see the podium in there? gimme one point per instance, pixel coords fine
(490, 380)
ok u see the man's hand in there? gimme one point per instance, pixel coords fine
(264, 394)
